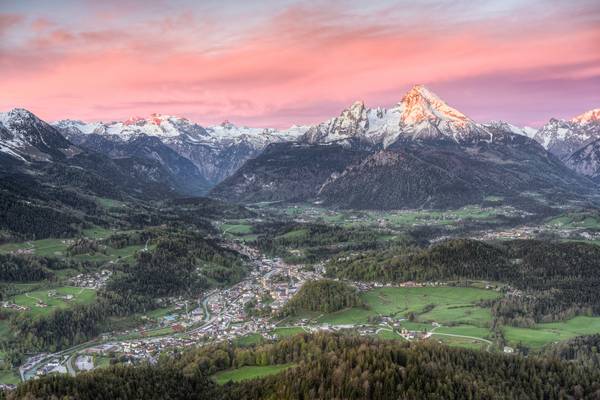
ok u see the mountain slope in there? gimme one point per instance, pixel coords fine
(32, 146)
(289, 171)
(183, 174)
(28, 138)
(586, 160)
(447, 175)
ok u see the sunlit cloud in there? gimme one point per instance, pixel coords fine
(299, 63)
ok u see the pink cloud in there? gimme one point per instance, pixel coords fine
(299, 66)
(9, 21)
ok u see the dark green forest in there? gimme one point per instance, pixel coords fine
(323, 296)
(331, 367)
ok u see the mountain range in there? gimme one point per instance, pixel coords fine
(420, 152)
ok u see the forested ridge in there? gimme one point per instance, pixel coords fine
(328, 366)
(182, 263)
(324, 296)
(317, 241)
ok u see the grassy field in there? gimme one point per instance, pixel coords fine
(294, 234)
(460, 342)
(448, 305)
(9, 377)
(98, 233)
(44, 247)
(249, 340)
(109, 203)
(3, 330)
(389, 335)
(101, 362)
(464, 330)
(453, 307)
(41, 303)
(575, 220)
(236, 229)
(543, 334)
(58, 247)
(112, 254)
(249, 372)
(285, 332)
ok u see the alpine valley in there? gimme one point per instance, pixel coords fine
(400, 253)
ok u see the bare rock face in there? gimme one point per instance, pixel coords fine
(586, 160)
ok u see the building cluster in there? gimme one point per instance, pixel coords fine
(532, 232)
(13, 306)
(95, 280)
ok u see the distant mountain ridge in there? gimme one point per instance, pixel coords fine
(187, 158)
(215, 151)
(219, 151)
(32, 147)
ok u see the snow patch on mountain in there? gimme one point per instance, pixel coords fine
(507, 127)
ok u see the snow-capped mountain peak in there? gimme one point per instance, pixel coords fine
(26, 137)
(420, 115)
(217, 151)
(564, 137)
(587, 117)
(419, 104)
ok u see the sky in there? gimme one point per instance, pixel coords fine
(276, 63)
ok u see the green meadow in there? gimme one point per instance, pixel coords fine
(41, 302)
(249, 372)
(547, 333)
(445, 305)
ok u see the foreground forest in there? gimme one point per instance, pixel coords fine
(326, 366)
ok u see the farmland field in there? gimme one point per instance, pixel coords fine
(394, 219)
(236, 229)
(58, 247)
(460, 342)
